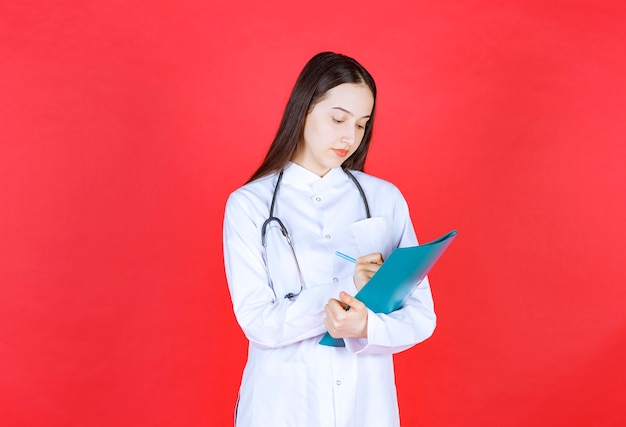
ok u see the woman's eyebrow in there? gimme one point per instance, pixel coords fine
(349, 112)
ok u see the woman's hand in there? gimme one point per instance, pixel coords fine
(366, 266)
(346, 317)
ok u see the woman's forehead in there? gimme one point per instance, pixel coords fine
(356, 99)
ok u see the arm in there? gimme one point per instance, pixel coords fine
(266, 322)
(367, 332)
(401, 329)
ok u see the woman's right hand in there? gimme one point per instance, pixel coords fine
(366, 266)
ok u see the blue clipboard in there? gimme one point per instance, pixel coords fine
(404, 269)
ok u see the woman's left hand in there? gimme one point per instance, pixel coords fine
(366, 266)
(346, 317)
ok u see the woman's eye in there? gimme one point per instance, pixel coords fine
(336, 120)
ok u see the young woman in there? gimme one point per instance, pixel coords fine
(309, 199)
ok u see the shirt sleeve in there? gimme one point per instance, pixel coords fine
(409, 325)
(267, 321)
(401, 329)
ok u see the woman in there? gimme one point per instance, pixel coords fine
(309, 199)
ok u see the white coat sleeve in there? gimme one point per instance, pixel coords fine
(411, 324)
(266, 322)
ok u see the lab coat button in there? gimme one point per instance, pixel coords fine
(338, 382)
(318, 199)
(327, 236)
(335, 279)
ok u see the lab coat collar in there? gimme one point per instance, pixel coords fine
(299, 176)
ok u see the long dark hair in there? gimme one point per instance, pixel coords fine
(323, 72)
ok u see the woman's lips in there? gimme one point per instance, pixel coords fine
(340, 153)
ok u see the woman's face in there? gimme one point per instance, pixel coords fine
(334, 128)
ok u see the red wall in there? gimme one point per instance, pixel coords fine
(125, 125)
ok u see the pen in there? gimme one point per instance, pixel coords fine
(346, 257)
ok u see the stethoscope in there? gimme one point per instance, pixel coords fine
(284, 232)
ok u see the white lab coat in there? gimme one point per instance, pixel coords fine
(289, 379)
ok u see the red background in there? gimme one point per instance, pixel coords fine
(125, 125)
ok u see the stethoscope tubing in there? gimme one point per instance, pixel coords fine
(271, 218)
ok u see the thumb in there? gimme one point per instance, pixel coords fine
(348, 299)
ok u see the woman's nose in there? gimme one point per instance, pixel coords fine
(349, 135)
